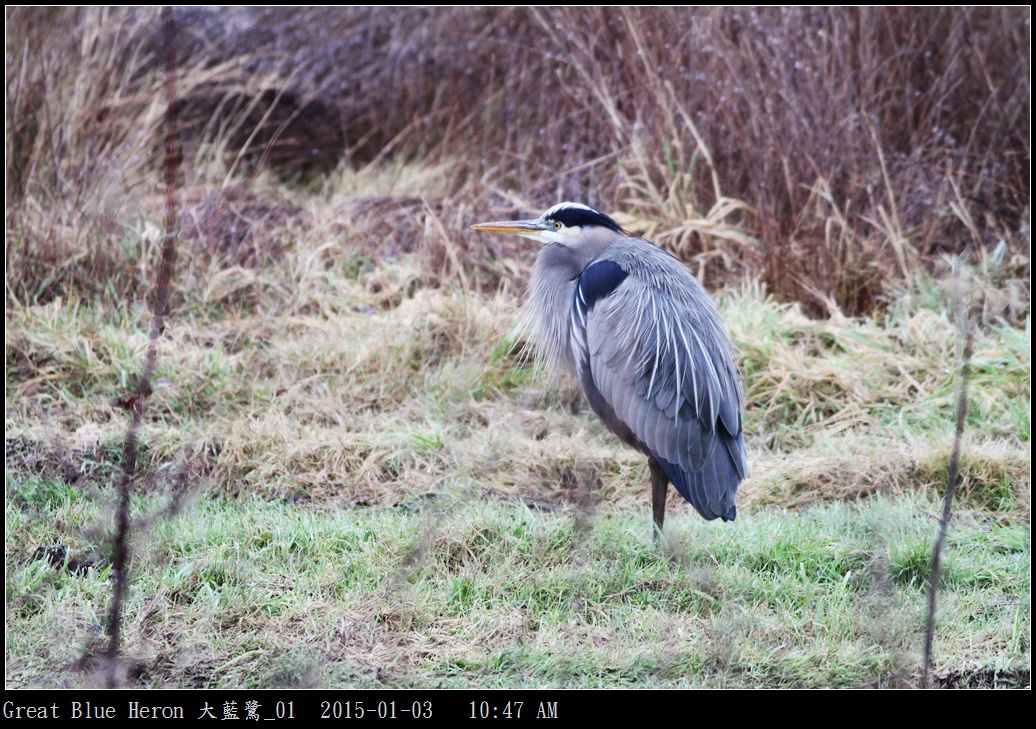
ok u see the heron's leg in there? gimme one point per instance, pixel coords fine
(659, 485)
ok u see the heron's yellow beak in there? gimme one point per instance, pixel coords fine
(528, 228)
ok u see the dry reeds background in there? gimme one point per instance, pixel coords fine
(827, 151)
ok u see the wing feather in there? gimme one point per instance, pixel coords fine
(659, 357)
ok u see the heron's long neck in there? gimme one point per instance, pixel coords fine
(550, 299)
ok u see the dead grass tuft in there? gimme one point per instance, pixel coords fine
(237, 226)
(995, 477)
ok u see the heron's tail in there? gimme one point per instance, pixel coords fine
(712, 489)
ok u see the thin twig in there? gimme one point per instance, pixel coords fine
(163, 289)
(964, 321)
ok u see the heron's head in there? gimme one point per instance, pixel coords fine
(569, 224)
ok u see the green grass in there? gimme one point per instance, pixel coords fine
(487, 593)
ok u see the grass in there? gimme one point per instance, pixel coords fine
(487, 593)
(391, 498)
(412, 385)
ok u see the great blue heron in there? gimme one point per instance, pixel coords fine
(648, 346)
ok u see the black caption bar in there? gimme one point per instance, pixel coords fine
(331, 706)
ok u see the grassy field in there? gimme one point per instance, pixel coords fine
(458, 591)
(349, 475)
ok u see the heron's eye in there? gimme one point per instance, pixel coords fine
(557, 225)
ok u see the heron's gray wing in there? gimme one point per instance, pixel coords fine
(661, 362)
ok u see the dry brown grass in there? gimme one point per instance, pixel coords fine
(827, 151)
(996, 475)
(371, 388)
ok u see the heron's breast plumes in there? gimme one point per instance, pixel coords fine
(546, 312)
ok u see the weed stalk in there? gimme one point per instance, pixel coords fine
(960, 411)
(163, 288)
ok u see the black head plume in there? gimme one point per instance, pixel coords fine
(575, 214)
